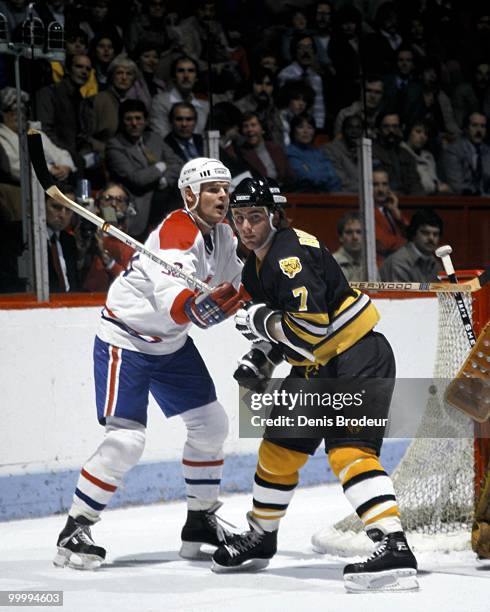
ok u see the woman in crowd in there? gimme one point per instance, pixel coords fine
(313, 169)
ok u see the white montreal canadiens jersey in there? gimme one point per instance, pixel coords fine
(144, 310)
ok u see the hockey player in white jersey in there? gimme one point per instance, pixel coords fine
(142, 346)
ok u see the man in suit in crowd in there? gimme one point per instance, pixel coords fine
(62, 248)
(466, 162)
(144, 164)
(181, 139)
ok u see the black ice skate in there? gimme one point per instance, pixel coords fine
(202, 527)
(249, 551)
(76, 547)
(392, 567)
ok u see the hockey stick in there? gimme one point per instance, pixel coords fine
(444, 252)
(475, 284)
(36, 153)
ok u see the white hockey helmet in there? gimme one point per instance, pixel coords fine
(202, 170)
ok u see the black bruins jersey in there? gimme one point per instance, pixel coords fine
(320, 312)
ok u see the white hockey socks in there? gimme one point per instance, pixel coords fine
(120, 450)
(202, 462)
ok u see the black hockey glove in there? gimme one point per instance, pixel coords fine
(255, 369)
(251, 321)
(207, 309)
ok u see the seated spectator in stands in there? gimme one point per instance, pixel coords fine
(147, 85)
(426, 100)
(294, 98)
(261, 101)
(342, 152)
(121, 76)
(203, 38)
(349, 255)
(102, 51)
(59, 161)
(182, 139)
(297, 25)
(396, 82)
(102, 257)
(227, 119)
(390, 223)
(66, 117)
(343, 50)
(474, 96)
(184, 77)
(144, 164)
(303, 50)
(99, 19)
(76, 43)
(263, 156)
(150, 26)
(268, 59)
(388, 153)
(375, 105)
(54, 10)
(11, 239)
(322, 33)
(62, 248)
(380, 47)
(466, 162)
(415, 261)
(416, 138)
(313, 169)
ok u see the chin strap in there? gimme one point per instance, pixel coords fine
(269, 238)
(194, 214)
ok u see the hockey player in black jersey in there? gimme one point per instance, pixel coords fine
(303, 304)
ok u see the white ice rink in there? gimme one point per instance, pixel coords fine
(144, 572)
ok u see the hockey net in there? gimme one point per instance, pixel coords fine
(437, 479)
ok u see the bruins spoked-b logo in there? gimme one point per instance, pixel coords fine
(290, 266)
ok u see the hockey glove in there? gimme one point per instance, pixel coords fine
(255, 369)
(251, 321)
(207, 309)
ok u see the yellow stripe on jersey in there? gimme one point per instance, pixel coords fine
(355, 317)
(301, 333)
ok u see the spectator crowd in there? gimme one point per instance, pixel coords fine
(294, 87)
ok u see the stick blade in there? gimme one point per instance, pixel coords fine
(36, 153)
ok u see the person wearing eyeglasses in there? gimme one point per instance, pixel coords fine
(104, 257)
(182, 139)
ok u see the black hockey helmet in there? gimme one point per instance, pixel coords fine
(256, 192)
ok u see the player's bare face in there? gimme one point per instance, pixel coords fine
(213, 201)
(252, 225)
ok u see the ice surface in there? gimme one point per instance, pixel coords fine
(144, 572)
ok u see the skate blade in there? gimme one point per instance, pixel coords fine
(193, 552)
(389, 580)
(67, 558)
(252, 565)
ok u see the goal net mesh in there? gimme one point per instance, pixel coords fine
(434, 481)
